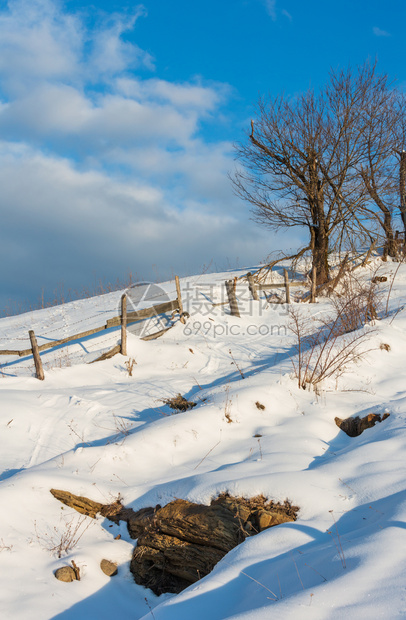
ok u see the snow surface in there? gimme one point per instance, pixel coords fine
(98, 432)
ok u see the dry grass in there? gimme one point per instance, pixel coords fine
(227, 406)
(236, 365)
(179, 403)
(4, 547)
(123, 427)
(61, 540)
(129, 364)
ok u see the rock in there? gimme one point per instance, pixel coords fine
(138, 522)
(355, 426)
(179, 563)
(270, 518)
(214, 526)
(114, 511)
(82, 504)
(237, 506)
(182, 542)
(256, 514)
(146, 567)
(66, 573)
(109, 568)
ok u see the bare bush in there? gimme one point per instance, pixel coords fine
(63, 539)
(327, 345)
(358, 303)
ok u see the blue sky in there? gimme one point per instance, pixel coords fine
(117, 122)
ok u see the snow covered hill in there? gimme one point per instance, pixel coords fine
(96, 431)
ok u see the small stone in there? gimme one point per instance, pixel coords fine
(108, 568)
(66, 574)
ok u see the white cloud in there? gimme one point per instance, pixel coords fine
(271, 8)
(102, 171)
(77, 224)
(380, 33)
(64, 113)
(110, 54)
(189, 95)
(38, 41)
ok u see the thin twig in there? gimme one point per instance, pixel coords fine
(237, 366)
(316, 571)
(390, 288)
(211, 450)
(297, 570)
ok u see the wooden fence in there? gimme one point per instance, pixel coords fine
(254, 287)
(124, 319)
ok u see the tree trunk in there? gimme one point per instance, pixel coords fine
(390, 248)
(319, 229)
(402, 188)
(320, 255)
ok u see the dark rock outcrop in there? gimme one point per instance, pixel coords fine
(181, 542)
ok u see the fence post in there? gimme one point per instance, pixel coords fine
(314, 282)
(286, 276)
(252, 286)
(123, 348)
(39, 371)
(180, 304)
(232, 299)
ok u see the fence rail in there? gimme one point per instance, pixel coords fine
(145, 313)
(122, 320)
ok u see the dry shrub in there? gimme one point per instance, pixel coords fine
(357, 304)
(179, 403)
(65, 538)
(327, 345)
(129, 364)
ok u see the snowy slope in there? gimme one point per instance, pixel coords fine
(95, 431)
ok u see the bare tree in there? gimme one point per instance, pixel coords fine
(382, 119)
(302, 163)
(401, 153)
